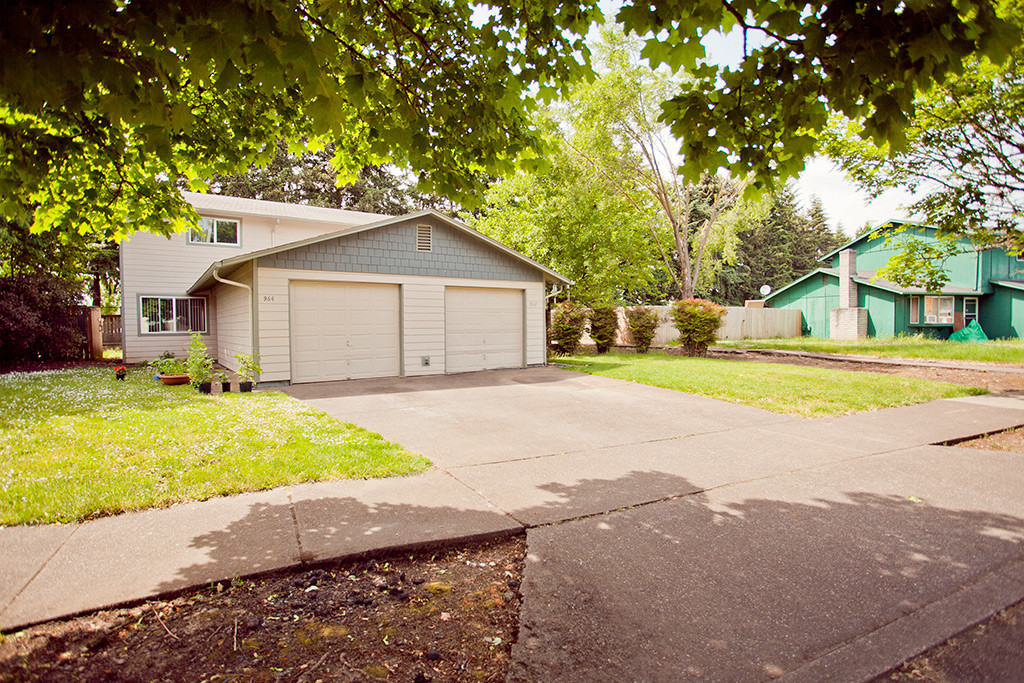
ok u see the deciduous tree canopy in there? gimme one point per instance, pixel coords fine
(104, 105)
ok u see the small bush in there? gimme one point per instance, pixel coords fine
(643, 324)
(200, 365)
(38, 319)
(567, 323)
(604, 325)
(697, 321)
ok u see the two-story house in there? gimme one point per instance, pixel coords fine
(325, 294)
(987, 286)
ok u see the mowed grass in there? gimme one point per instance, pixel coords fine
(75, 444)
(994, 351)
(791, 389)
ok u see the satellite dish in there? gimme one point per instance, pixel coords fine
(766, 290)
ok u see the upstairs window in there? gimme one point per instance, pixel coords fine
(170, 314)
(214, 231)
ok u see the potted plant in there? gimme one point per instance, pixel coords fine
(200, 365)
(170, 370)
(248, 370)
(225, 382)
(120, 372)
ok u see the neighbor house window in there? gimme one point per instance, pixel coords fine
(970, 309)
(938, 309)
(161, 314)
(915, 310)
(214, 231)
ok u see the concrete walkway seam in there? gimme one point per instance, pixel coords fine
(884, 649)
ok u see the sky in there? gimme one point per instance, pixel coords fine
(845, 204)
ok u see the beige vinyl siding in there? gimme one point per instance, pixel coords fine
(153, 265)
(422, 316)
(536, 338)
(233, 304)
(423, 327)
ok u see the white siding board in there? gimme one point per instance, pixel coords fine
(422, 321)
(157, 265)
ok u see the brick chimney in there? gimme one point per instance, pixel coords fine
(847, 271)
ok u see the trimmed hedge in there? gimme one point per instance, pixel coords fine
(643, 324)
(604, 325)
(567, 324)
(698, 321)
(38, 320)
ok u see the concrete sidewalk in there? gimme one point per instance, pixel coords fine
(762, 545)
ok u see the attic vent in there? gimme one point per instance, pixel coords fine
(424, 241)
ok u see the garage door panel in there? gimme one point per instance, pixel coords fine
(344, 331)
(483, 329)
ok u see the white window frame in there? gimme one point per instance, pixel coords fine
(941, 303)
(144, 327)
(977, 309)
(193, 232)
(915, 310)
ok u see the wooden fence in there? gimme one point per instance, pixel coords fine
(740, 323)
(111, 331)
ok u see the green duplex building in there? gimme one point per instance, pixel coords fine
(845, 300)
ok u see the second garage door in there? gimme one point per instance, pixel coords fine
(343, 331)
(483, 329)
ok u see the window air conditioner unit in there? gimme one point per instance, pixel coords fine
(931, 319)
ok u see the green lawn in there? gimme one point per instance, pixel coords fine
(1001, 351)
(809, 392)
(77, 443)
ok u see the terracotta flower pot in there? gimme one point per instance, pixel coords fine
(173, 379)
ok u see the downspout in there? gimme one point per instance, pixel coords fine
(218, 278)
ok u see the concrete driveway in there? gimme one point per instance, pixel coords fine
(675, 537)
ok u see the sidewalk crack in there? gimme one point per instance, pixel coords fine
(488, 500)
(303, 555)
(39, 571)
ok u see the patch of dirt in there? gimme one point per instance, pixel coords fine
(989, 651)
(991, 378)
(445, 616)
(1012, 440)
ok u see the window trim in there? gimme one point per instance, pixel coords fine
(215, 243)
(143, 331)
(977, 309)
(936, 318)
(915, 310)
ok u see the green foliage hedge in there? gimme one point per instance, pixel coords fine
(604, 325)
(38, 319)
(567, 323)
(643, 324)
(698, 321)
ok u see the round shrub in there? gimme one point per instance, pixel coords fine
(643, 324)
(567, 323)
(604, 326)
(697, 321)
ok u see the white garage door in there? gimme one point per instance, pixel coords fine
(343, 331)
(483, 329)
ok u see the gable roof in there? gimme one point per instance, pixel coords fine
(867, 278)
(207, 279)
(204, 202)
(884, 225)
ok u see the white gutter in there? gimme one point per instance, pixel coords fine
(218, 278)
